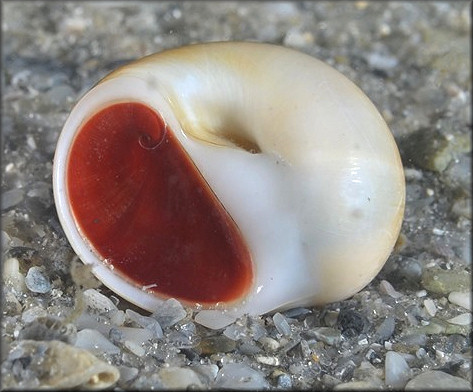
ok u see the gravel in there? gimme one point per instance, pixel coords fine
(409, 328)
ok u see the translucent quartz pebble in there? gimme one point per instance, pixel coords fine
(429, 305)
(207, 373)
(214, 319)
(11, 198)
(330, 336)
(136, 335)
(386, 288)
(240, 376)
(169, 313)
(37, 281)
(54, 364)
(149, 323)
(33, 313)
(462, 299)
(179, 378)
(235, 331)
(95, 342)
(462, 319)
(281, 324)
(98, 302)
(397, 371)
(98, 323)
(127, 373)
(385, 329)
(435, 380)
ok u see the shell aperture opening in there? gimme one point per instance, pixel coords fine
(146, 210)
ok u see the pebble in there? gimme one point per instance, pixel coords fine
(57, 365)
(396, 370)
(117, 318)
(36, 281)
(235, 331)
(149, 323)
(169, 313)
(214, 319)
(216, 344)
(12, 275)
(11, 198)
(240, 376)
(385, 329)
(284, 381)
(365, 385)
(98, 323)
(281, 324)
(435, 380)
(135, 348)
(95, 342)
(179, 378)
(441, 281)
(462, 319)
(330, 336)
(206, 372)
(352, 322)
(127, 373)
(269, 344)
(386, 288)
(136, 335)
(462, 299)
(429, 305)
(48, 328)
(98, 302)
(265, 360)
(381, 61)
(438, 326)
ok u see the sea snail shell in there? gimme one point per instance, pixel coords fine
(297, 181)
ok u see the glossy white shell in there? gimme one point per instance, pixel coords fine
(321, 203)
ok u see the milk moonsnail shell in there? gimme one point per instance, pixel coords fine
(242, 177)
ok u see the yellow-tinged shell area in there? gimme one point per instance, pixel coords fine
(295, 152)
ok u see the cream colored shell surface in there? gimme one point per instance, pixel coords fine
(296, 153)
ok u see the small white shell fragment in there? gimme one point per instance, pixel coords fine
(61, 366)
(95, 342)
(179, 378)
(12, 275)
(396, 370)
(462, 319)
(429, 305)
(462, 299)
